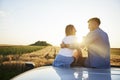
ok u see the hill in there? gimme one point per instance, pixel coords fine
(40, 43)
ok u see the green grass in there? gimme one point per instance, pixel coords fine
(7, 50)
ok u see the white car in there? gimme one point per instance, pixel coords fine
(76, 73)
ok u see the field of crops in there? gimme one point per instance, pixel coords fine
(12, 64)
(8, 50)
(13, 58)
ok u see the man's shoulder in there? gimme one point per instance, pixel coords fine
(103, 32)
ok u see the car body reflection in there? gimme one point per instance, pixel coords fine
(76, 73)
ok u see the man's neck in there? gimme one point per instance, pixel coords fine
(95, 29)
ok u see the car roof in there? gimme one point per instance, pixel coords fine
(75, 73)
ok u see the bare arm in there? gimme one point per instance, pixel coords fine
(71, 46)
(63, 45)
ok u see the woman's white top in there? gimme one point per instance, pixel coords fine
(66, 51)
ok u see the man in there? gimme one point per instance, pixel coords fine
(98, 46)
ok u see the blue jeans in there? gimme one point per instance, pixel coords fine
(62, 61)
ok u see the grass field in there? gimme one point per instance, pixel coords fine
(12, 64)
(13, 50)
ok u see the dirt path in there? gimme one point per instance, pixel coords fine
(41, 57)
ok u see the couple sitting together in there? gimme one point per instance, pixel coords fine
(96, 41)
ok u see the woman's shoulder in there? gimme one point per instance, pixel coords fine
(70, 39)
(71, 36)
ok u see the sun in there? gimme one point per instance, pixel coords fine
(79, 38)
(81, 34)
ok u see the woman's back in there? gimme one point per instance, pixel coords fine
(66, 51)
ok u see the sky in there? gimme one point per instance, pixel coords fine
(23, 22)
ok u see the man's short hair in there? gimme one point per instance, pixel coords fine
(95, 19)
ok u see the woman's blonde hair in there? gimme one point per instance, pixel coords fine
(70, 30)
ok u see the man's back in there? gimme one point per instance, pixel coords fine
(98, 49)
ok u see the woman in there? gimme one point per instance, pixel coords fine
(66, 56)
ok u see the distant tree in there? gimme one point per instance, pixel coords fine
(41, 43)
